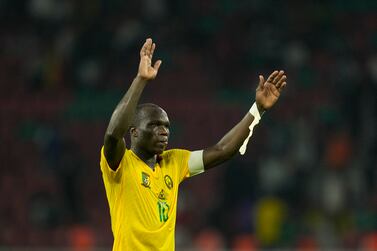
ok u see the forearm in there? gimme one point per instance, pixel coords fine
(123, 114)
(229, 144)
(232, 140)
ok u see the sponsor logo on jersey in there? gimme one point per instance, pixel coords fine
(161, 195)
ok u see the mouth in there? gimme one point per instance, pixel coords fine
(163, 142)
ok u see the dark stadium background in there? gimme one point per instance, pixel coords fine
(309, 178)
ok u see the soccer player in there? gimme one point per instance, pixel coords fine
(142, 182)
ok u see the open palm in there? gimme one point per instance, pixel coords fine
(146, 70)
(268, 92)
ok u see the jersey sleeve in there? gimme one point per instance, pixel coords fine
(183, 168)
(109, 174)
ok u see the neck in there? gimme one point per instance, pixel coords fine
(148, 158)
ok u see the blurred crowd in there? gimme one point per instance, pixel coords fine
(309, 177)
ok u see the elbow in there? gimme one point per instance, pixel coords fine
(218, 154)
(109, 134)
(225, 151)
(110, 137)
(114, 132)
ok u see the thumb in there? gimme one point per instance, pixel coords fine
(261, 82)
(157, 65)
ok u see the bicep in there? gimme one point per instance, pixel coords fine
(114, 150)
(214, 155)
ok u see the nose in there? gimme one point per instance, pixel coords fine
(163, 131)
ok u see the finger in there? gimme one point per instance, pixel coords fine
(152, 49)
(148, 46)
(281, 81)
(272, 90)
(272, 76)
(157, 65)
(143, 49)
(278, 77)
(282, 86)
(261, 82)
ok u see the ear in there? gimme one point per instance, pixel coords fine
(134, 132)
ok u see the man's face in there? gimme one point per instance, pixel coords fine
(152, 133)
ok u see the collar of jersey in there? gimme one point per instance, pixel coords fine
(154, 172)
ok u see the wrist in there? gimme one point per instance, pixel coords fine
(141, 79)
(254, 111)
(260, 109)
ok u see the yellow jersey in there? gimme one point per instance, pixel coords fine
(142, 201)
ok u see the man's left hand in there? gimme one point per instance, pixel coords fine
(268, 92)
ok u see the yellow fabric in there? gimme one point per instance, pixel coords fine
(143, 202)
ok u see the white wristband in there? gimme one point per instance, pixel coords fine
(255, 113)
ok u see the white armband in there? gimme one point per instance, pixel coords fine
(195, 163)
(255, 112)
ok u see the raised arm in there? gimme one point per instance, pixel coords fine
(267, 94)
(121, 119)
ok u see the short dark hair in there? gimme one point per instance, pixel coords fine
(140, 109)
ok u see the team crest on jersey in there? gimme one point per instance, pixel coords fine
(145, 180)
(168, 181)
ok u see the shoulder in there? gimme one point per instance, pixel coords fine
(108, 173)
(174, 153)
(126, 156)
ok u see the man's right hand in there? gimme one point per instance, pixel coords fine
(146, 70)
